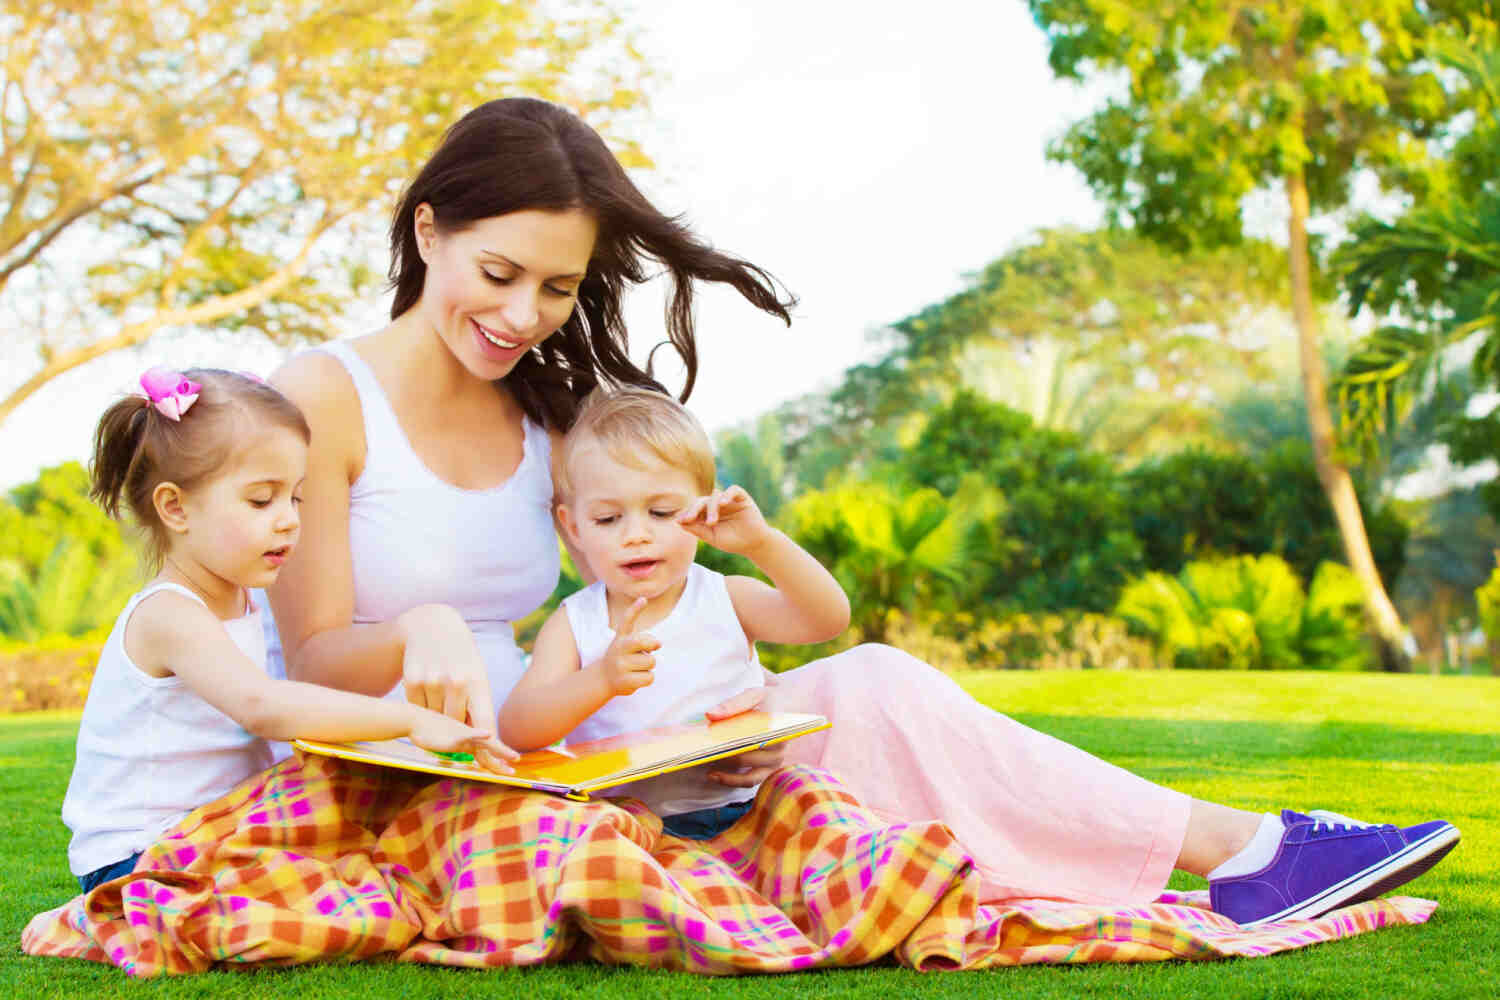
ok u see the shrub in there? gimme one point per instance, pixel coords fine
(1249, 613)
(1074, 641)
(51, 674)
(1065, 641)
(1487, 598)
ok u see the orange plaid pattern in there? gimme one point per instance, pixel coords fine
(323, 860)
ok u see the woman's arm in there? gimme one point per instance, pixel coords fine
(430, 647)
(313, 597)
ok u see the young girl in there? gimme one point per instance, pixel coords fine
(635, 477)
(210, 464)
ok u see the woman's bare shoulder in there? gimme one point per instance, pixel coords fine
(309, 376)
(322, 388)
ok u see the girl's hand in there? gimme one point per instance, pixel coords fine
(628, 663)
(432, 731)
(442, 669)
(750, 768)
(727, 520)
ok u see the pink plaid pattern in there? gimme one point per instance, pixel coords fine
(322, 860)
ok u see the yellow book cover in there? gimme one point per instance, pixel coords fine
(578, 769)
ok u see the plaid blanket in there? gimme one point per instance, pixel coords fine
(322, 860)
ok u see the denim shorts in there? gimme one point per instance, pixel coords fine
(102, 875)
(705, 824)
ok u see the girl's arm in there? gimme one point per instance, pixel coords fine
(557, 692)
(806, 604)
(429, 647)
(172, 634)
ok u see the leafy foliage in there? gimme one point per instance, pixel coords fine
(1488, 599)
(1198, 503)
(195, 154)
(889, 549)
(1061, 538)
(1249, 613)
(65, 567)
(1222, 99)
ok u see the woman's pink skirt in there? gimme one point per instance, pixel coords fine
(1041, 818)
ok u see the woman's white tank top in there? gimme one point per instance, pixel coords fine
(150, 750)
(414, 539)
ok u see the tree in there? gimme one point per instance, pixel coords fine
(1059, 536)
(757, 461)
(1197, 504)
(1107, 334)
(181, 162)
(1225, 99)
(1435, 270)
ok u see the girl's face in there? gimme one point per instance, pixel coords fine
(242, 525)
(623, 518)
(504, 284)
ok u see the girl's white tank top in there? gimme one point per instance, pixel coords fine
(150, 750)
(415, 539)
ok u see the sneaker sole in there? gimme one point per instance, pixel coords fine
(1398, 869)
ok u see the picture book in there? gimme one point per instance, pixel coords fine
(579, 769)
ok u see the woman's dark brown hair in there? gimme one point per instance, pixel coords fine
(136, 448)
(521, 153)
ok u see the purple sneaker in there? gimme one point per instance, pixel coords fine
(1326, 861)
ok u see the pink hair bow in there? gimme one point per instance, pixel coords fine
(172, 393)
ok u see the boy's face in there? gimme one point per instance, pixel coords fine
(623, 519)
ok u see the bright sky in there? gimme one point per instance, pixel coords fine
(867, 158)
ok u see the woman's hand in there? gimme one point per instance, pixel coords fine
(750, 768)
(442, 669)
(432, 731)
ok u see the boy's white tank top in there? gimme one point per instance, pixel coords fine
(150, 750)
(704, 658)
(415, 539)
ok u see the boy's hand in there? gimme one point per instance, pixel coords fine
(433, 731)
(727, 520)
(628, 663)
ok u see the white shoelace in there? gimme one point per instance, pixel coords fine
(1332, 820)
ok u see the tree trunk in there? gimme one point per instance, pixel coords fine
(1390, 635)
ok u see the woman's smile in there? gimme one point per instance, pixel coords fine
(495, 346)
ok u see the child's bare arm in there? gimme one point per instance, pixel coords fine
(557, 692)
(806, 604)
(171, 634)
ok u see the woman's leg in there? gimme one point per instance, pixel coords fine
(1041, 817)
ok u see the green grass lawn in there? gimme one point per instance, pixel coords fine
(1397, 749)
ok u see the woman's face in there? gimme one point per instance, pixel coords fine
(504, 284)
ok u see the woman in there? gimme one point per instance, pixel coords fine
(427, 526)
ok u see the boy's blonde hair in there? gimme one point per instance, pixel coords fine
(629, 423)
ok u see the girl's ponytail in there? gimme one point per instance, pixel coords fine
(118, 442)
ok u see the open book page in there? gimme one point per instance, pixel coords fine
(580, 768)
